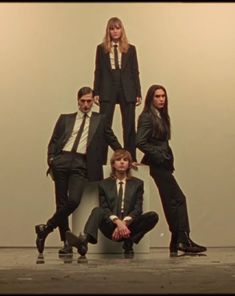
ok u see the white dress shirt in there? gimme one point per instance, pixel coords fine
(112, 217)
(111, 56)
(84, 137)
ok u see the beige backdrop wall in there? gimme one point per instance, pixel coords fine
(47, 52)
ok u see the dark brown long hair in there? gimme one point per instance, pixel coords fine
(163, 125)
(123, 42)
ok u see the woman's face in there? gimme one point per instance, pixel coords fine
(159, 99)
(115, 33)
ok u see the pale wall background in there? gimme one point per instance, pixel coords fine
(47, 52)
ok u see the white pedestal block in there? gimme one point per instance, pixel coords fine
(90, 200)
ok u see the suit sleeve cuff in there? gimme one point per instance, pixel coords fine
(112, 217)
(127, 218)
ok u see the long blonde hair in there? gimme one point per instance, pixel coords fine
(123, 42)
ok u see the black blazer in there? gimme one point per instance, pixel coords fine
(129, 75)
(157, 151)
(99, 135)
(133, 199)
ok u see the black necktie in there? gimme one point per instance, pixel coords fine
(79, 134)
(120, 196)
(116, 57)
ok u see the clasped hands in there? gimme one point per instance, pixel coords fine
(121, 231)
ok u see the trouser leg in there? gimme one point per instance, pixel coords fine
(173, 200)
(142, 224)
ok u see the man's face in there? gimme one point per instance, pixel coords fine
(85, 103)
(121, 164)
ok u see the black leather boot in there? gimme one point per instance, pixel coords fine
(80, 242)
(42, 231)
(128, 248)
(66, 250)
(186, 245)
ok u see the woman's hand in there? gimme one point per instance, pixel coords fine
(97, 100)
(138, 101)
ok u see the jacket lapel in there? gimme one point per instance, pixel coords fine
(69, 124)
(107, 60)
(125, 57)
(127, 195)
(94, 123)
(112, 194)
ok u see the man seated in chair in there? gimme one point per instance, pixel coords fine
(120, 216)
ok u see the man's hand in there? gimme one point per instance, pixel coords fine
(121, 231)
(116, 236)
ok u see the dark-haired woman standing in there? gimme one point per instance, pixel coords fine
(153, 134)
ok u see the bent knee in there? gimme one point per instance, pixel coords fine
(97, 210)
(154, 216)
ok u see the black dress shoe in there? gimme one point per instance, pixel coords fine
(80, 242)
(128, 248)
(42, 231)
(72, 239)
(181, 242)
(196, 245)
(190, 247)
(66, 250)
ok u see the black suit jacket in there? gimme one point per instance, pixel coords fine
(133, 198)
(129, 75)
(156, 149)
(99, 135)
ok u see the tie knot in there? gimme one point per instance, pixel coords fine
(115, 45)
(120, 182)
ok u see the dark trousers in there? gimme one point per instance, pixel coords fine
(70, 177)
(173, 201)
(138, 227)
(127, 113)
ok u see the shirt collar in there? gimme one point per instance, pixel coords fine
(113, 43)
(123, 181)
(80, 114)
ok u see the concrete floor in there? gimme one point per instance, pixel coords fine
(21, 272)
